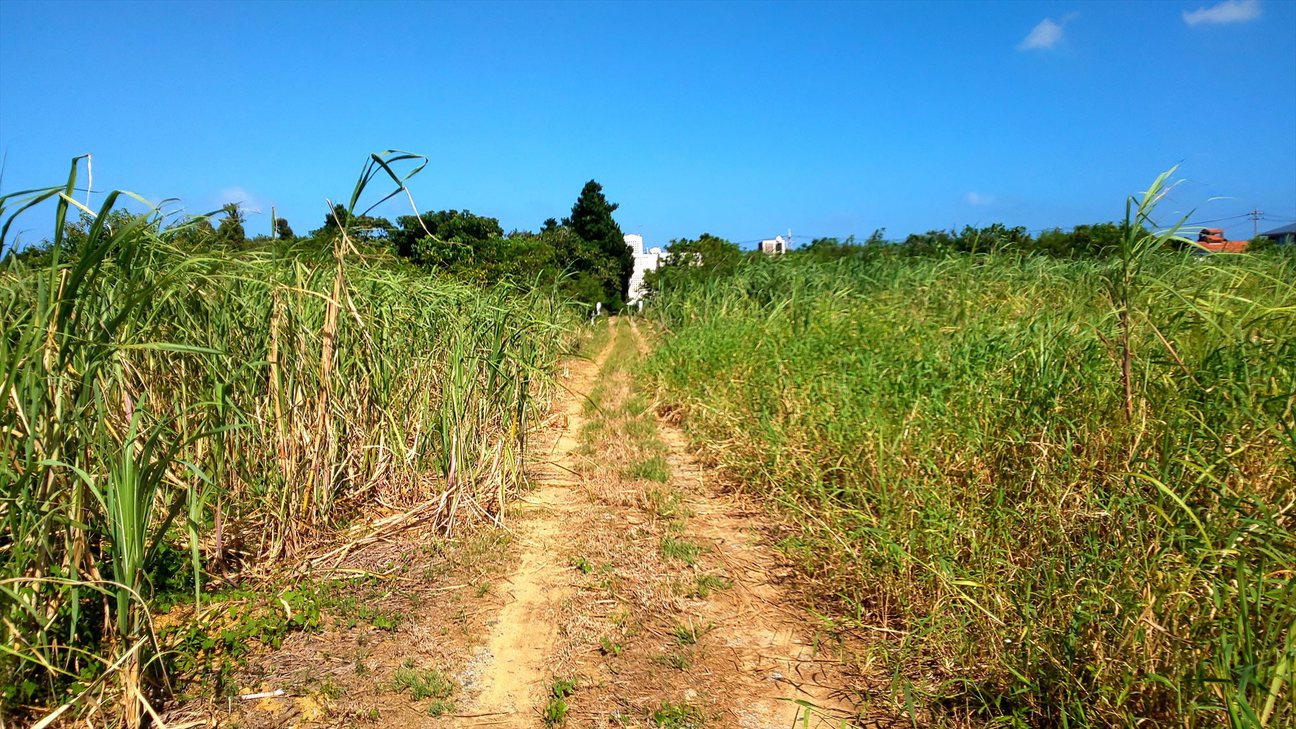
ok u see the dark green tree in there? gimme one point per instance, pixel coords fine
(1262, 244)
(1082, 241)
(707, 256)
(371, 228)
(931, 243)
(418, 237)
(335, 219)
(230, 231)
(283, 231)
(709, 253)
(591, 221)
(196, 231)
(827, 249)
(996, 237)
(359, 227)
(75, 234)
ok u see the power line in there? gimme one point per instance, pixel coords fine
(1217, 220)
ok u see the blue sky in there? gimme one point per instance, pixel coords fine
(740, 119)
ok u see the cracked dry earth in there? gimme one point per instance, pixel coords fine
(629, 588)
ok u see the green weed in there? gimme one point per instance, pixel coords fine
(555, 710)
(422, 684)
(678, 661)
(610, 647)
(705, 584)
(678, 716)
(329, 689)
(441, 707)
(562, 687)
(690, 634)
(653, 468)
(685, 551)
(667, 504)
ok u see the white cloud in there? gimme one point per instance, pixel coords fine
(976, 198)
(1043, 36)
(1229, 11)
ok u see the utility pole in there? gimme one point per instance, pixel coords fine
(274, 223)
(1255, 222)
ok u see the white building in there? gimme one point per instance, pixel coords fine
(776, 246)
(643, 263)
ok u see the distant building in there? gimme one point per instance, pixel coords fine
(774, 247)
(1285, 235)
(643, 263)
(1212, 240)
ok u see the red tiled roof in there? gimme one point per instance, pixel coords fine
(1227, 246)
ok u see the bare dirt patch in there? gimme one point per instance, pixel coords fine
(391, 613)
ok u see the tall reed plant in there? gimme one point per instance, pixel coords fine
(234, 406)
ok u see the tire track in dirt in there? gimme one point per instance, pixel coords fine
(520, 649)
(647, 645)
(594, 597)
(776, 662)
(767, 641)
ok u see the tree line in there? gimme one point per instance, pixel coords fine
(1082, 241)
(709, 256)
(584, 254)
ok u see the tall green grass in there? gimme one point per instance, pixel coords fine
(951, 436)
(236, 406)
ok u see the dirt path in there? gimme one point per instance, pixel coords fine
(645, 587)
(629, 589)
(525, 633)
